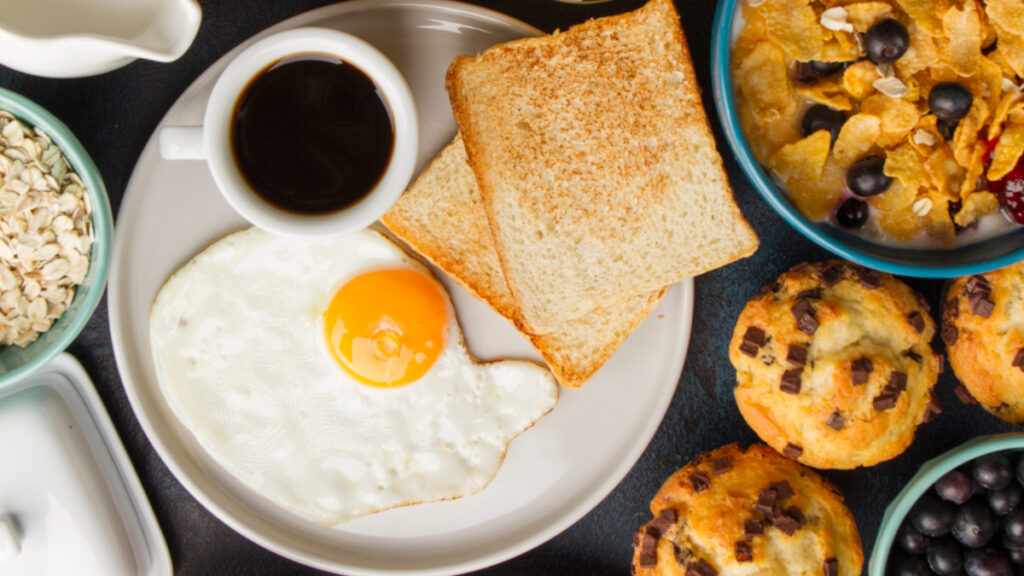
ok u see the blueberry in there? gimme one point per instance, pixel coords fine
(945, 556)
(826, 68)
(1013, 526)
(932, 516)
(947, 129)
(1014, 551)
(821, 117)
(974, 526)
(908, 566)
(867, 178)
(1004, 501)
(886, 41)
(852, 213)
(992, 471)
(910, 540)
(950, 101)
(987, 562)
(955, 486)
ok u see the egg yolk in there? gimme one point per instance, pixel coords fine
(387, 327)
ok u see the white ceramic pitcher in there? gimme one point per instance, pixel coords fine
(71, 38)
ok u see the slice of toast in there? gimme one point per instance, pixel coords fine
(442, 218)
(596, 165)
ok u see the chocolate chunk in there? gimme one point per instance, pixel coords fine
(752, 528)
(860, 369)
(766, 501)
(931, 410)
(648, 551)
(749, 348)
(909, 353)
(1018, 360)
(797, 354)
(782, 489)
(754, 335)
(664, 521)
(799, 267)
(801, 308)
(964, 395)
(700, 568)
(831, 567)
(791, 381)
(792, 450)
(868, 278)
(804, 75)
(898, 381)
(980, 304)
(942, 363)
(836, 421)
(807, 324)
(795, 513)
(916, 321)
(978, 283)
(949, 334)
(952, 309)
(744, 553)
(720, 466)
(923, 302)
(788, 525)
(830, 275)
(699, 481)
(637, 536)
(813, 294)
(677, 552)
(885, 400)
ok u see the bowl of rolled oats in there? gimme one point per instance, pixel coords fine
(890, 132)
(55, 234)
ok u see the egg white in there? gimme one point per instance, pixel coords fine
(238, 348)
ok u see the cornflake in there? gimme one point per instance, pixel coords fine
(45, 232)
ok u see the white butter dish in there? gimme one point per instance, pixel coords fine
(70, 501)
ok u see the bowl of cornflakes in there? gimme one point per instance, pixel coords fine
(890, 132)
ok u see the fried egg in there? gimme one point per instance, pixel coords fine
(331, 377)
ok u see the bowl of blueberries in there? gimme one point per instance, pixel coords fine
(962, 513)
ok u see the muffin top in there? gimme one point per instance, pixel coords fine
(733, 512)
(983, 327)
(834, 366)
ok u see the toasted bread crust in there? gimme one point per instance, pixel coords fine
(596, 163)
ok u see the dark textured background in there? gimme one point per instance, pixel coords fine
(114, 115)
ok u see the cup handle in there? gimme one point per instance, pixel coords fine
(182, 143)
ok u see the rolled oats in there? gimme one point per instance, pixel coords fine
(45, 232)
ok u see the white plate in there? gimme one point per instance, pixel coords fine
(553, 474)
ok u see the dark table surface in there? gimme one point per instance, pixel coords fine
(114, 115)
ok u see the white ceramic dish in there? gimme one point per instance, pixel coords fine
(553, 474)
(71, 38)
(70, 501)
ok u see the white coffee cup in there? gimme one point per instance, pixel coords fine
(212, 140)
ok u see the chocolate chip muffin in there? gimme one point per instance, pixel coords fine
(983, 327)
(733, 512)
(834, 366)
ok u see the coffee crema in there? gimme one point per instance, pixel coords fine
(311, 134)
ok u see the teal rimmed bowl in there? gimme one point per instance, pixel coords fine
(15, 362)
(961, 261)
(929, 473)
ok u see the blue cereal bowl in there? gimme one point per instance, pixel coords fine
(15, 362)
(973, 258)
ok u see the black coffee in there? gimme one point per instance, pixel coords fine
(311, 134)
